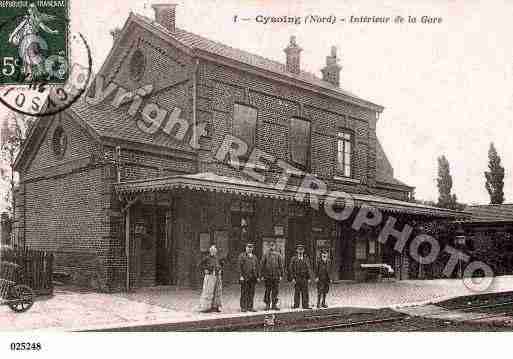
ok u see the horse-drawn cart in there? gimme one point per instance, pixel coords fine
(18, 297)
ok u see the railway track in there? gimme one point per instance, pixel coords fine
(355, 319)
(398, 319)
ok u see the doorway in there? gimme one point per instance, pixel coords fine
(164, 245)
(345, 250)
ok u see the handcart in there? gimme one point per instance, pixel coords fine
(18, 297)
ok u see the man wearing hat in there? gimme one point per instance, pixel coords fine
(322, 278)
(249, 275)
(272, 273)
(299, 270)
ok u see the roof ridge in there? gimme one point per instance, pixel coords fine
(186, 38)
(245, 51)
(309, 73)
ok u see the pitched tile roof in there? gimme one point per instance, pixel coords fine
(491, 213)
(116, 123)
(384, 170)
(194, 41)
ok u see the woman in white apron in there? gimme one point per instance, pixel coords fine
(210, 300)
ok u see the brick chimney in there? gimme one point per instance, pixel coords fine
(165, 15)
(116, 33)
(293, 56)
(331, 72)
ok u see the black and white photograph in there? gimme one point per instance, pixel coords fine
(323, 167)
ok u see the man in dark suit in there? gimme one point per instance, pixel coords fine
(272, 273)
(249, 275)
(322, 278)
(299, 271)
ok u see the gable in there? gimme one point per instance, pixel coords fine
(45, 161)
(160, 65)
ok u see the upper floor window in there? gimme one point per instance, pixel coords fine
(244, 123)
(344, 153)
(137, 65)
(59, 142)
(300, 141)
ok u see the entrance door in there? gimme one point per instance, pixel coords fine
(297, 234)
(345, 253)
(164, 247)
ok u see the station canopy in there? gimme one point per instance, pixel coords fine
(210, 182)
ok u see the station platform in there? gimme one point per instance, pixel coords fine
(70, 310)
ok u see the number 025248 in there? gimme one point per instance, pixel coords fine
(26, 346)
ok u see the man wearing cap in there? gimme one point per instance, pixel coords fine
(299, 270)
(322, 278)
(272, 273)
(249, 275)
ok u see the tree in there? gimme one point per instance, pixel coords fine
(444, 183)
(13, 132)
(495, 177)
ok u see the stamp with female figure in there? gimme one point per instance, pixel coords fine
(34, 41)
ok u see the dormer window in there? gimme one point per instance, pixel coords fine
(344, 153)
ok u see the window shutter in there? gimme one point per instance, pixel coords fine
(299, 141)
(244, 123)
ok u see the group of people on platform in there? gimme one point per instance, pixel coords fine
(271, 270)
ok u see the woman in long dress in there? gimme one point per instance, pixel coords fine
(210, 300)
(29, 43)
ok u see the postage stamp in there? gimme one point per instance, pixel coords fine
(34, 41)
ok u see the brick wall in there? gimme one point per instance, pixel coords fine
(220, 87)
(62, 202)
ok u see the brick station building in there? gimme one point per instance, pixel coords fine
(110, 199)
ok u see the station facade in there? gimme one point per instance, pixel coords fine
(129, 196)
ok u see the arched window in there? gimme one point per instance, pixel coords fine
(137, 65)
(59, 142)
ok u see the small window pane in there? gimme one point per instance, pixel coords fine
(372, 247)
(361, 250)
(348, 147)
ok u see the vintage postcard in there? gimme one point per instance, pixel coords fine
(255, 166)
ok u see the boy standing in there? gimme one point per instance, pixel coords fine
(322, 277)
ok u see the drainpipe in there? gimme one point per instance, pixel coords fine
(126, 211)
(118, 164)
(195, 103)
(127, 247)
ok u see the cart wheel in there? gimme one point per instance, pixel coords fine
(23, 298)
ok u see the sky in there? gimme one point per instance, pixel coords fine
(447, 87)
